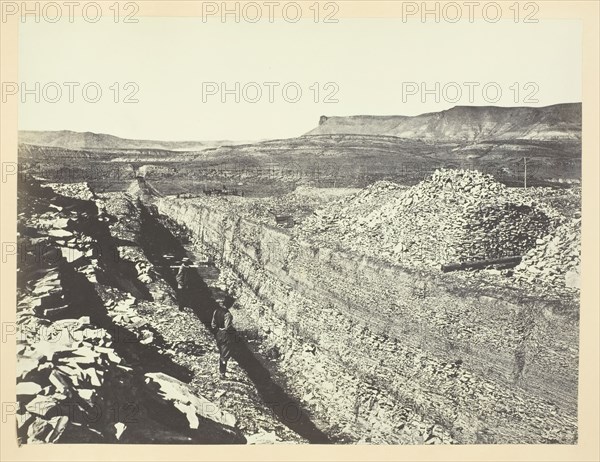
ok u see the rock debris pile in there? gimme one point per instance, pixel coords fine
(75, 190)
(61, 368)
(453, 216)
(556, 259)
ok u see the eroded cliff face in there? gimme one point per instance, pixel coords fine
(382, 353)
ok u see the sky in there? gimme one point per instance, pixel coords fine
(172, 72)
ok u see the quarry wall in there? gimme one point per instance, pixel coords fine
(409, 356)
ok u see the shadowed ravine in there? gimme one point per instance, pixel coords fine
(158, 241)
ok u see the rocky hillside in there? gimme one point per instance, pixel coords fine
(466, 123)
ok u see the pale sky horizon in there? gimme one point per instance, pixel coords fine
(367, 60)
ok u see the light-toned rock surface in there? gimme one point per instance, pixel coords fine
(391, 351)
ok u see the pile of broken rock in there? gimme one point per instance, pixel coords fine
(453, 216)
(75, 190)
(60, 369)
(556, 259)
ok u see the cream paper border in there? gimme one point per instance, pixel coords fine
(586, 450)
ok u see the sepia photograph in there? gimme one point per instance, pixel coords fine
(292, 223)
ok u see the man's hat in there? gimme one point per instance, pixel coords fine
(228, 301)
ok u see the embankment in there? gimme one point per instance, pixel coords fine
(384, 353)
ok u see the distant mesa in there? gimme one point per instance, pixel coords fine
(465, 123)
(462, 124)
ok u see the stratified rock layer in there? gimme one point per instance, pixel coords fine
(388, 352)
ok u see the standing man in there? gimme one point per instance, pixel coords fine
(222, 321)
(183, 282)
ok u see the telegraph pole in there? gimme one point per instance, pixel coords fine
(525, 173)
